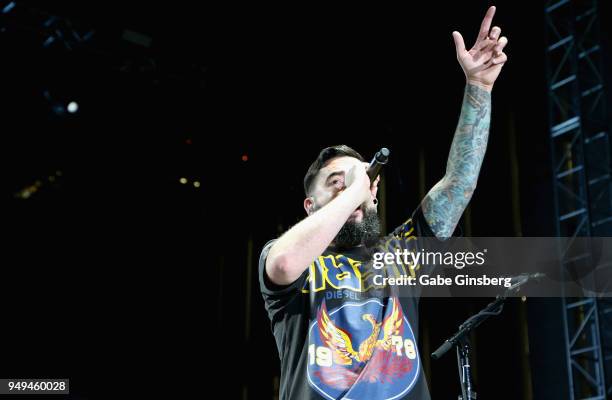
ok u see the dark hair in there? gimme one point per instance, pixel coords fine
(324, 156)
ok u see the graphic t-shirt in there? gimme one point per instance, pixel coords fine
(340, 334)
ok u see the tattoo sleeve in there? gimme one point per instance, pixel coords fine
(446, 201)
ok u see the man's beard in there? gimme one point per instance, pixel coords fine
(353, 233)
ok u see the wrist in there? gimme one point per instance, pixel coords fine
(475, 82)
(356, 194)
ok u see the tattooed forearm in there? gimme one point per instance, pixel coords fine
(446, 201)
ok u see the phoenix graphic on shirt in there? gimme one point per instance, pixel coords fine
(362, 350)
(339, 341)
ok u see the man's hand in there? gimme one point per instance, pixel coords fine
(357, 179)
(484, 61)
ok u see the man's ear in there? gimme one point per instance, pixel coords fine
(309, 205)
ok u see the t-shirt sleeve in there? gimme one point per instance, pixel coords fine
(277, 297)
(417, 226)
(416, 235)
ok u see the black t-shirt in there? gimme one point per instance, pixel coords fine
(340, 335)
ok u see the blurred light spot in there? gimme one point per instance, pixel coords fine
(8, 7)
(72, 107)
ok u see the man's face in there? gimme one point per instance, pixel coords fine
(363, 224)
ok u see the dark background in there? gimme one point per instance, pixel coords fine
(121, 278)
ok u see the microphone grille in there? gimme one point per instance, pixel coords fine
(383, 155)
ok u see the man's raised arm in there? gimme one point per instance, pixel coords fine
(445, 202)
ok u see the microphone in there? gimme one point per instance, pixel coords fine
(446, 346)
(380, 159)
(519, 280)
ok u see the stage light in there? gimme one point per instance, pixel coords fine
(183, 180)
(60, 105)
(72, 107)
(8, 7)
(196, 184)
(39, 185)
(245, 157)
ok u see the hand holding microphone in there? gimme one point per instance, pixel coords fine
(372, 171)
(380, 158)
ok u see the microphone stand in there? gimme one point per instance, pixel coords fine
(461, 341)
